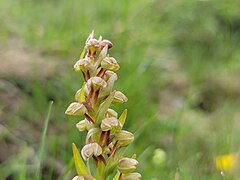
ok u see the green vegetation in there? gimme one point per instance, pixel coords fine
(179, 69)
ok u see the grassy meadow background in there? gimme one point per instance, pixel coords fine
(180, 68)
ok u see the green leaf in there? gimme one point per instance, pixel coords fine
(110, 82)
(123, 117)
(101, 56)
(116, 177)
(82, 54)
(104, 107)
(82, 94)
(112, 163)
(79, 164)
(94, 133)
(100, 171)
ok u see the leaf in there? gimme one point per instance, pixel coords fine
(112, 163)
(82, 54)
(82, 94)
(100, 170)
(110, 82)
(116, 177)
(104, 107)
(79, 164)
(93, 133)
(76, 109)
(123, 117)
(101, 56)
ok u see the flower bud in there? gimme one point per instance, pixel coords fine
(108, 89)
(106, 150)
(159, 157)
(90, 150)
(105, 42)
(124, 138)
(127, 165)
(91, 35)
(119, 97)
(81, 125)
(91, 45)
(82, 65)
(84, 125)
(93, 134)
(108, 74)
(76, 109)
(93, 42)
(78, 95)
(111, 113)
(108, 123)
(110, 63)
(84, 177)
(131, 176)
(96, 83)
(110, 146)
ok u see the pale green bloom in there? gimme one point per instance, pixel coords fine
(82, 65)
(110, 63)
(76, 109)
(90, 150)
(127, 165)
(111, 113)
(108, 123)
(124, 138)
(119, 97)
(103, 126)
(131, 176)
(84, 177)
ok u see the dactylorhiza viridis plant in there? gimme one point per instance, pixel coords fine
(105, 139)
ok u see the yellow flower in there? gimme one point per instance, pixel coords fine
(225, 162)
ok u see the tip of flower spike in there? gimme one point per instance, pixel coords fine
(91, 35)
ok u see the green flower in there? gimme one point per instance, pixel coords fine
(127, 165)
(76, 109)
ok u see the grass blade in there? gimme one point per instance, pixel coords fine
(41, 152)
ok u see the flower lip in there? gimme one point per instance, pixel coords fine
(127, 165)
(119, 97)
(81, 125)
(105, 42)
(84, 177)
(76, 109)
(111, 113)
(108, 123)
(95, 83)
(124, 138)
(82, 65)
(110, 63)
(131, 176)
(90, 150)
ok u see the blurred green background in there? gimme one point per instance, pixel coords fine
(180, 68)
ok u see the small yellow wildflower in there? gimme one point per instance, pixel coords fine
(225, 162)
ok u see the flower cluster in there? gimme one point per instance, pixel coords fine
(105, 137)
